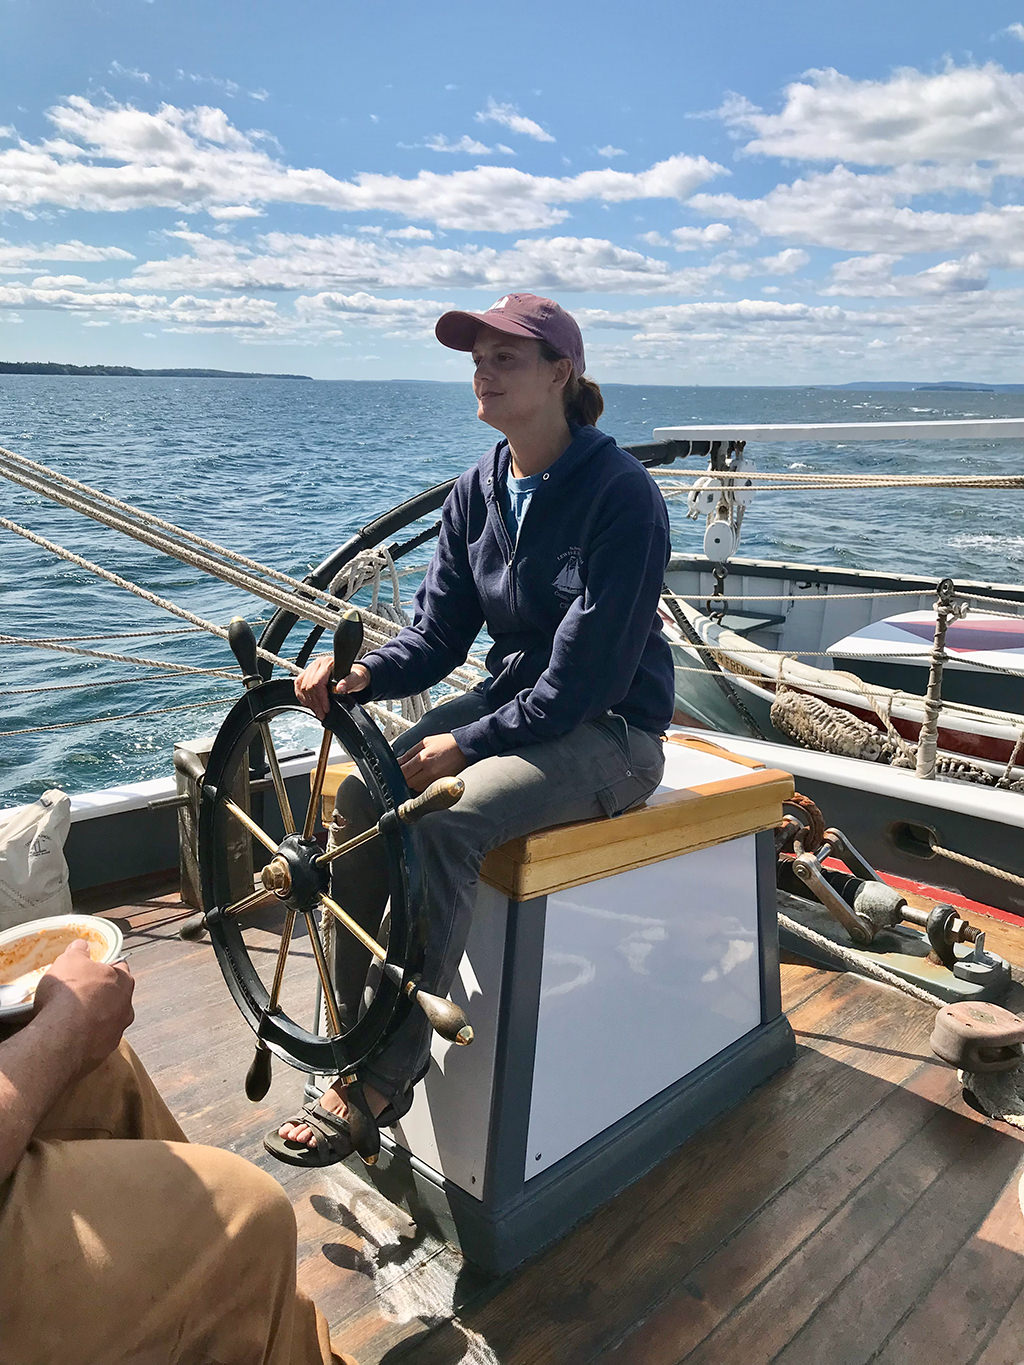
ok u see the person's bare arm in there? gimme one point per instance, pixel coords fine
(82, 1009)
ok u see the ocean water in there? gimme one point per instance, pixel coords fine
(285, 471)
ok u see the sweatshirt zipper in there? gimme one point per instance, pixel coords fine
(506, 539)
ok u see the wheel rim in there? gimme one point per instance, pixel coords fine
(359, 1040)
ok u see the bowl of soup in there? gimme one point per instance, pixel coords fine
(29, 950)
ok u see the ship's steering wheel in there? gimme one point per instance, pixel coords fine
(295, 881)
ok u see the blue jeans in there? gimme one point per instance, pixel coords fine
(602, 767)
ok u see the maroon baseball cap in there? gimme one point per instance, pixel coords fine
(523, 315)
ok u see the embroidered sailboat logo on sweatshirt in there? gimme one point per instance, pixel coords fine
(568, 582)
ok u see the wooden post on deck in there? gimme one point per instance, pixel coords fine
(238, 843)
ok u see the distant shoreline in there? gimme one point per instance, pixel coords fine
(14, 367)
(127, 371)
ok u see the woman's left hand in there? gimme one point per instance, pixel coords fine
(433, 757)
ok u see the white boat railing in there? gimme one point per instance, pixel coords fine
(983, 429)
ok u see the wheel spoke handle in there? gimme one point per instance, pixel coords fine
(348, 640)
(444, 1016)
(440, 795)
(249, 823)
(317, 786)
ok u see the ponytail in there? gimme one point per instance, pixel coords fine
(581, 397)
(583, 401)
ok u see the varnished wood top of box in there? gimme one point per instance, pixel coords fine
(671, 823)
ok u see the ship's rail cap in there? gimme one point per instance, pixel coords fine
(984, 429)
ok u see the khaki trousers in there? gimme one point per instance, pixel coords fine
(142, 1249)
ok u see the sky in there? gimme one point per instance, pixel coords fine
(784, 193)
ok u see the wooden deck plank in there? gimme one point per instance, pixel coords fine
(835, 1298)
(1005, 1345)
(842, 1167)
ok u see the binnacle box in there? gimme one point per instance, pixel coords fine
(622, 980)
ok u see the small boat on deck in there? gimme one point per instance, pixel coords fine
(828, 670)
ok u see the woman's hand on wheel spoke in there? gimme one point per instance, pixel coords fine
(312, 684)
(433, 757)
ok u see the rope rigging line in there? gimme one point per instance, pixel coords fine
(110, 657)
(110, 720)
(86, 686)
(307, 602)
(145, 594)
(977, 864)
(854, 961)
(847, 596)
(127, 634)
(763, 651)
(103, 508)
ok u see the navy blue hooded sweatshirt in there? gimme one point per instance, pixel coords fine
(571, 607)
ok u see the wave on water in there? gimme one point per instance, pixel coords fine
(1004, 544)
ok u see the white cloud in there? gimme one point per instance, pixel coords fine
(466, 145)
(690, 238)
(186, 312)
(653, 239)
(230, 88)
(874, 277)
(962, 114)
(786, 262)
(290, 261)
(870, 212)
(509, 117)
(411, 234)
(232, 212)
(18, 257)
(116, 69)
(59, 281)
(117, 158)
(668, 319)
(609, 151)
(1015, 31)
(400, 314)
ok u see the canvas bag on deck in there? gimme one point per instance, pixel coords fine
(33, 872)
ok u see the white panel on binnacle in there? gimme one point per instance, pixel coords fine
(646, 975)
(447, 1127)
